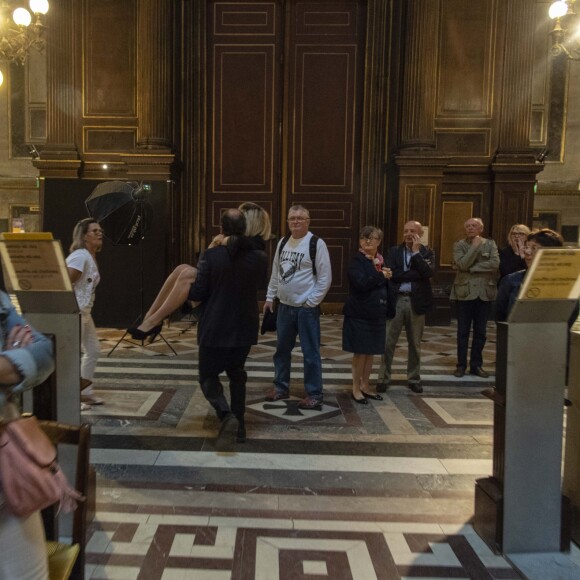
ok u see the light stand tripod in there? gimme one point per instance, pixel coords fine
(144, 343)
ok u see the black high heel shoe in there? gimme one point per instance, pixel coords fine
(142, 335)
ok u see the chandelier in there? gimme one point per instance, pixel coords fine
(566, 31)
(21, 31)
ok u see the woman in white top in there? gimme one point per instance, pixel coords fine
(84, 275)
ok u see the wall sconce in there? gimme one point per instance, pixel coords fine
(566, 31)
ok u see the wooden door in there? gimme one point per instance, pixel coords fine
(285, 115)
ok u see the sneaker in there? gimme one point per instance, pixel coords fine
(227, 434)
(85, 407)
(310, 403)
(275, 395)
(90, 400)
(416, 387)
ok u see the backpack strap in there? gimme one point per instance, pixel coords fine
(313, 243)
(282, 244)
(312, 250)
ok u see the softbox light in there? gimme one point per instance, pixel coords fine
(122, 211)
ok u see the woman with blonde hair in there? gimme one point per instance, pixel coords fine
(176, 287)
(511, 256)
(87, 241)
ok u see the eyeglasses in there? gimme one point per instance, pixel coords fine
(298, 219)
(370, 239)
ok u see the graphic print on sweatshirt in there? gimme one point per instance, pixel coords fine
(289, 264)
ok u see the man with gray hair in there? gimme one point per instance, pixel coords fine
(301, 277)
(476, 260)
(413, 265)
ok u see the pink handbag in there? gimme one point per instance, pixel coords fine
(30, 477)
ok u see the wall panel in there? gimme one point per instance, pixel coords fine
(110, 79)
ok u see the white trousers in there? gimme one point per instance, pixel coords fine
(90, 348)
(23, 547)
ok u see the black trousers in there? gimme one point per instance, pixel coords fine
(213, 362)
(476, 313)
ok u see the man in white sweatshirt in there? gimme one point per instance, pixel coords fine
(301, 277)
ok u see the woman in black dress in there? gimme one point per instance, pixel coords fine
(366, 310)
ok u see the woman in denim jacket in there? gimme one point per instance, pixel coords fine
(26, 359)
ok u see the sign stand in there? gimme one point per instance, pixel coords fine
(519, 509)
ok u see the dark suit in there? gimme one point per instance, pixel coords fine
(227, 284)
(412, 304)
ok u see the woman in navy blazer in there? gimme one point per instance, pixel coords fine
(370, 302)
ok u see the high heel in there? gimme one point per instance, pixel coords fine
(154, 332)
(138, 334)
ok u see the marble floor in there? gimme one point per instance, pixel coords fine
(355, 492)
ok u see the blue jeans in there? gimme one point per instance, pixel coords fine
(303, 322)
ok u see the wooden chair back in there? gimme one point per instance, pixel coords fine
(79, 436)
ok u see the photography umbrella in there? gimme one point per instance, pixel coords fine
(121, 210)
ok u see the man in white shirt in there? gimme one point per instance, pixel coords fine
(301, 278)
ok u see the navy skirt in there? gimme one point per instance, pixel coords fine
(363, 336)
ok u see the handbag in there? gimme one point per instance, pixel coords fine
(269, 321)
(30, 477)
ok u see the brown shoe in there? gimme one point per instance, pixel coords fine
(85, 383)
(312, 403)
(275, 395)
(479, 372)
(459, 372)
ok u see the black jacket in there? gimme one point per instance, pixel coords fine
(227, 285)
(370, 294)
(420, 270)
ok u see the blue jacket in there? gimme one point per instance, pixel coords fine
(34, 362)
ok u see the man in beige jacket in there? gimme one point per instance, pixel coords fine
(474, 288)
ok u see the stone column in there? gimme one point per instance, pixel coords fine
(419, 82)
(155, 83)
(60, 156)
(518, 66)
(515, 167)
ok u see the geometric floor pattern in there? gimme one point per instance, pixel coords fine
(348, 492)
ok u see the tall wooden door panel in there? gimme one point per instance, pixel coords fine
(285, 113)
(323, 123)
(244, 40)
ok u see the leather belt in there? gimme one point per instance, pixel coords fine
(405, 293)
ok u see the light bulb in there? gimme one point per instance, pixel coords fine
(39, 6)
(1, 78)
(558, 9)
(22, 17)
